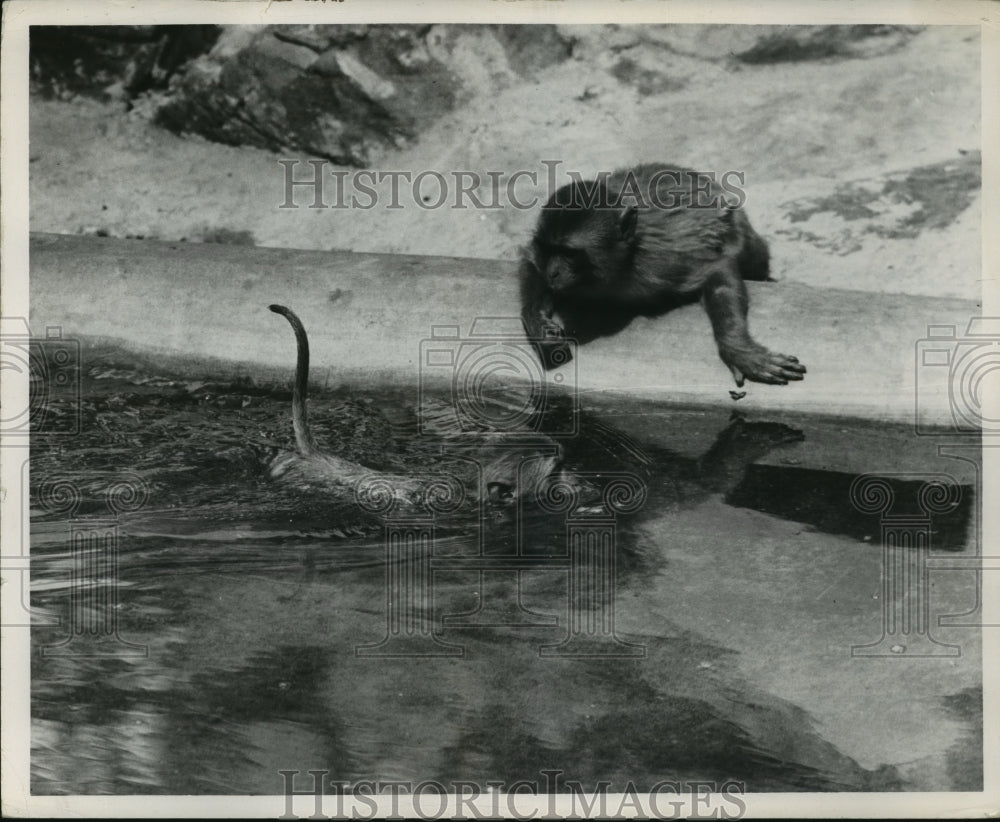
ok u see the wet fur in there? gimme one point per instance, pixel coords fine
(509, 465)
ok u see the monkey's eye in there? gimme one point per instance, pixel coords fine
(572, 261)
(579, 260)
(571, 254)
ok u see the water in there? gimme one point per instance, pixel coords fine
(238, 640)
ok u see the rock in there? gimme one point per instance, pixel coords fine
(880, 232)
(707, 42)
(335, 63)
(898, 205)
(320, 38)
(115, 61)
(647, 81)
(741, 44)
(301, 57)
(531, 49)
(792, 43)
(280, 93)
(348, 93)
(266, 95)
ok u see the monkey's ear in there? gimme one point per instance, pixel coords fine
(627, 222)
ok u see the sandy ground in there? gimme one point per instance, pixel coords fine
(797, 130)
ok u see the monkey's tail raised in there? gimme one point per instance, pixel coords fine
(300, 422)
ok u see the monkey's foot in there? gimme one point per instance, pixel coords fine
(758, 364)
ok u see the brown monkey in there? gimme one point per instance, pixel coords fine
(308, 464)
(640, 242)
(498, 468)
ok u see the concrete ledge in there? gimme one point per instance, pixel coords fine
(368, 315)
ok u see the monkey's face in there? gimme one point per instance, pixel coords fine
(584, 251)
(516, 467)
(595, 271)
(565, 269)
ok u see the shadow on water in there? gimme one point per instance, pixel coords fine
(822, 499)
(251, 598)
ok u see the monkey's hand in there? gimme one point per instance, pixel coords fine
(757, 364)
(547, 336)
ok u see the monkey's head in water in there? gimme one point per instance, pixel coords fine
(513, 467)
(582, 243)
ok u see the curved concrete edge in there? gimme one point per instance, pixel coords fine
(392, 319)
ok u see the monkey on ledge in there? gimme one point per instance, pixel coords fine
(639, 242)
